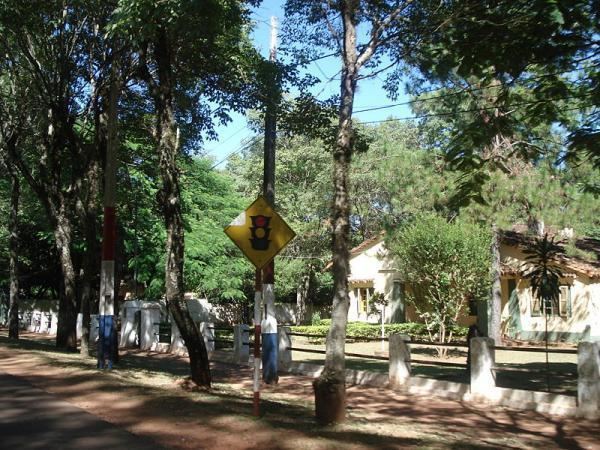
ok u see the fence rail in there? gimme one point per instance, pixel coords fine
(439, 344)
(505, 368)
(569, 351)
(220, 328)
(426, 362)
(222, 341)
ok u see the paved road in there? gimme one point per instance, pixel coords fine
(34, 419)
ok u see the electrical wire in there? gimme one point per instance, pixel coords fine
(452, 94)
(238, 150)
(451, 113)
(424, 116)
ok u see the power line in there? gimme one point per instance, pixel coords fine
(424, 116)
(410, 102)
(445, 114)
(228, 139)
(452, 94)
(239, 150)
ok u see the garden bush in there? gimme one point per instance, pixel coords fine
(358, 331)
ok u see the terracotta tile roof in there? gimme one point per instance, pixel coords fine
(364, 245)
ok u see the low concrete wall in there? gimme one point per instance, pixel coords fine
(39, 316)
(482, 389)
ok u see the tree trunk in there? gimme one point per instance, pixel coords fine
(66, 336)
(13, 242)
(120, 263)
(330, 387)
(171, 206)
(495, 306)
(90, 271)
(91, 261)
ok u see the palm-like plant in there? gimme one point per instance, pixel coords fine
(542, 270)
(544, 275)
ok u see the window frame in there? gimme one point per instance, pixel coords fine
(363, 304)
(562, 309)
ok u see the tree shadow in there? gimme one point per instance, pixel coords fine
(378, 417)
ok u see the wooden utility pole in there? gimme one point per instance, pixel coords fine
(269, 323)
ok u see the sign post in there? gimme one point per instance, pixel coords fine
(260, 233)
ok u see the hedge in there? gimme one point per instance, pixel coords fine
(358, 331)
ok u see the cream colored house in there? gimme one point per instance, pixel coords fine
(577, 316)
(372, 272)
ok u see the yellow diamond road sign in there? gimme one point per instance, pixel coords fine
(259, 232)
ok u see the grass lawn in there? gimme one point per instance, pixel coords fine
(562, 379)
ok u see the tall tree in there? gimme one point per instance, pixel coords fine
(185, 49)
(336, 26)
(13, 235)
(49, 50)
(11, 131)
(213, 266)
(537, 65)
(502, 87)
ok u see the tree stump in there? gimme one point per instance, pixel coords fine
(330, 401)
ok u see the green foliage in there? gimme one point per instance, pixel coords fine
(445, 265)
(543, 271)
(211, 57)
(302, 198)
(358, 331)
(502, 88)
(214, 266)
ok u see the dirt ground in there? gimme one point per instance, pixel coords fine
(148, 396)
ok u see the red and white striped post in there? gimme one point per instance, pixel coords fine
(257, 360)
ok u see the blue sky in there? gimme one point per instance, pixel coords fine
(370, 92)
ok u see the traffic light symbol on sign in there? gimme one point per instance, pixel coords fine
(260, 232)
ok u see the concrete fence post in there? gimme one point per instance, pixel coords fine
(208, 333)
(285, 347)
(588, 380)
(483, 359)
(177, 345)
(399, 351)
(150, 320)
(241, 337)
(93, 329)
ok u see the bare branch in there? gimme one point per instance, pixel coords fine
(331, 28)
(379, 27)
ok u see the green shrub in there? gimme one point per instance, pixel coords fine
(357, 331)
(323, 322)
(315, 319)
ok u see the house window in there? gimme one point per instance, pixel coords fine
(562, 309)
(564, 301)
(536, 309)
(363, 295)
